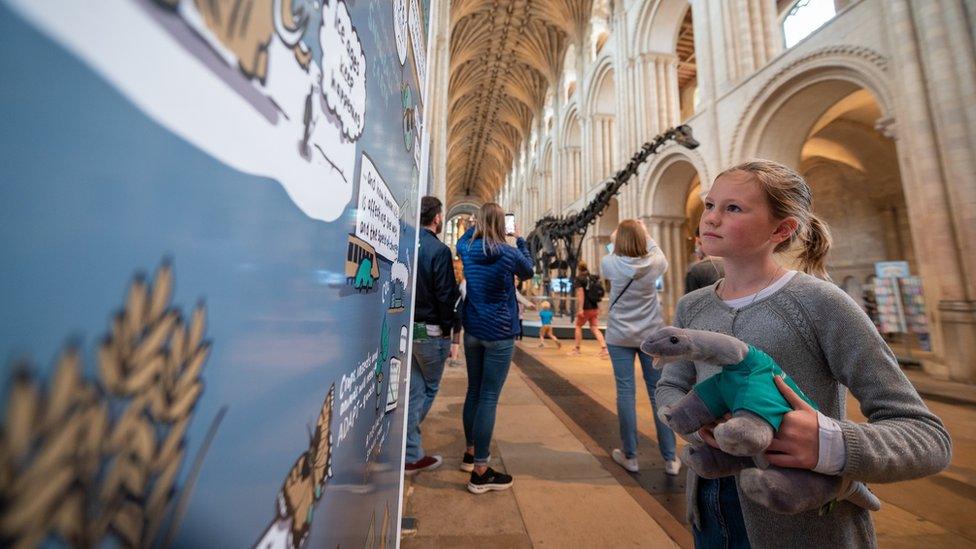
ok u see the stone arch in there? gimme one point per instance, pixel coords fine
(571, 153)
(672, 190)
(657, 25)
(603, 69)
(463, 207)
(826, 115)
(789, 100)
(652, 180)
(600, 105)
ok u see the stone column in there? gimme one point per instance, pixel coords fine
(667, 232)
(752, 35)
(934, 121)
(586, 144)
(576, 161)
(662, 110)
(436, 96)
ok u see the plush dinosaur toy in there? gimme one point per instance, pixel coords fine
(746, 389)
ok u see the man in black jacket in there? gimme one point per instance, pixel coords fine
(435, 318)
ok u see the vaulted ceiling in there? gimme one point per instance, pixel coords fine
(504, 56)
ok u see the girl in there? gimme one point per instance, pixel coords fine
(823, 340)
(490, 325)
(632, 268)
(546, 329)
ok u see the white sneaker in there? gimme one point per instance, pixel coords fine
(672, 467)
(627, 463)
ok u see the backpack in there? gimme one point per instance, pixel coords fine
(594, 289)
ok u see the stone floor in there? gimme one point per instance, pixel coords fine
(555, 427)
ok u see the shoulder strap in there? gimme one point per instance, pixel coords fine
(616, 299)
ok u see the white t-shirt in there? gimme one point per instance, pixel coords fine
(740, 302)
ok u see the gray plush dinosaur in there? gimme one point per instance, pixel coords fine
(746, 389)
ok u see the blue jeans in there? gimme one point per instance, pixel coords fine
(488, 363)
(720, 515)
(622, 359)
(426, 369)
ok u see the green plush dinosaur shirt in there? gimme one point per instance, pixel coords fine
(749, 385)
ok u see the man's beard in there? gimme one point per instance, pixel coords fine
(438, 227)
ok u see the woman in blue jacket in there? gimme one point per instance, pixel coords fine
(490, 325)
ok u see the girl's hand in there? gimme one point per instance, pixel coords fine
(707, 433)
(797, 443)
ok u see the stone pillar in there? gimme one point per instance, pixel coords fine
(602, 163)
(565, 183)
(660, 79)
(934, 144)
(577, 163)
(668, 233)
(892, 234)
(585, 161)
(752, 35)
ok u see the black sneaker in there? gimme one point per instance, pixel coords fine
(467, 462)
(491, 480)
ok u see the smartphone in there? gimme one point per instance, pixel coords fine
(509, 223)
(610, 248)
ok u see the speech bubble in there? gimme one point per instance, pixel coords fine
(400, 28)
(417, 40)
(378, 214)
(343, 68)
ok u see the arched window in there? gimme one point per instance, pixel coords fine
(599, 26)
(804, 17)
(569, 71)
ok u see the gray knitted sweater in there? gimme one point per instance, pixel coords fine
(821, 338)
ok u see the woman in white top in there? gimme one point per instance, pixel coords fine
(632, 269)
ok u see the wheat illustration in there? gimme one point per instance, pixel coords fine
(83, 460)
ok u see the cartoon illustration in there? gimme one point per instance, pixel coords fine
(383, 353)
(393, 389)
(305, 59)
(303, 486)
(92, 462)
(399, 276)
(376, 535)
(409, 122)
(362, 266)
(381, 357)
(246, 27)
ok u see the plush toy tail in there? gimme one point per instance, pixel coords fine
(860, 495)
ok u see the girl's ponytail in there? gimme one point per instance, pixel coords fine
(815, 239)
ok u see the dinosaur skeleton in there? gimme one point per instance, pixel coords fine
(556, 242)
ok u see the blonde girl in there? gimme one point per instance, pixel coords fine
(545, 329)
(823, 340)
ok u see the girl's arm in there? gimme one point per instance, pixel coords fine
(902, 439)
